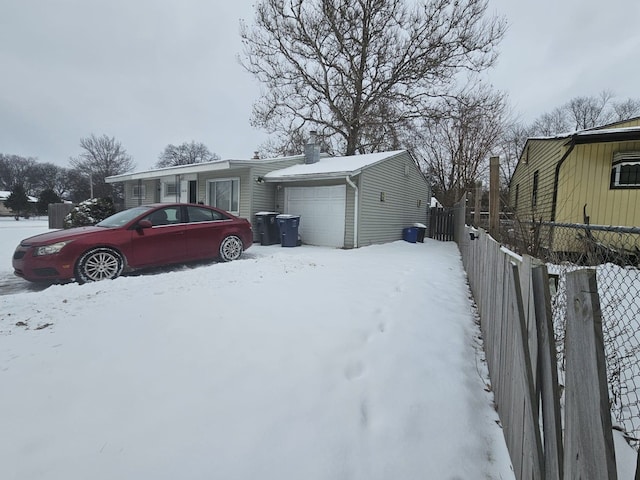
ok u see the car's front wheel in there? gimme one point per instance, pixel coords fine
(230, 248)
(99, 264)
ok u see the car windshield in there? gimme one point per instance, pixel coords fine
(122, 218)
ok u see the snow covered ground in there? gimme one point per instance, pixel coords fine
(291, 363)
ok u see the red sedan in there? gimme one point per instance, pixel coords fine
(141, 237)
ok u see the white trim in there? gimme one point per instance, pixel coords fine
(621, 159)
(142, 194)
(219, 180)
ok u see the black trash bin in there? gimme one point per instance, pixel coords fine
(288, 229)
(422, 229)
(268, 230)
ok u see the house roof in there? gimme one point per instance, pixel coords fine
(4, 194)
(607, 135)
(596, 135)
(330, 167)
(195, 168)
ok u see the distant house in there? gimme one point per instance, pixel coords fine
(343, 202)
(4, 210)
(590, 176)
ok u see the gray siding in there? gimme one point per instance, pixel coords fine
(391, 198)
(151, 193)
(246, 184)
(350, 213)
(264, 194)
(349, 204)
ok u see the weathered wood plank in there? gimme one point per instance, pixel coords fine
(588, 450)
(531, 441)
(548, 379)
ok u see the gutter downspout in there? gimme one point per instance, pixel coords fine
(556, 178)
(355, 212)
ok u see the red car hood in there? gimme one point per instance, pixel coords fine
(60, 235)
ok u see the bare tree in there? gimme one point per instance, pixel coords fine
(460, 142)
(102, 157)
(589, 112)
(360, 71)
(49, 176)
(625, 110)
(551, 123)
(512, 141)
(185, 154)
(582, 113)
(17, 170)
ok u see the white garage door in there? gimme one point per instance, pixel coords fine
(322, 212)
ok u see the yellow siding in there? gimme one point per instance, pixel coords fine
(634, 122)
(585, 179)
(541, 156)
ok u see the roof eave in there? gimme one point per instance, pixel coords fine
(309, 177)
(167, 172)
(608, 137)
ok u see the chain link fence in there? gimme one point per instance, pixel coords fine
(615, 254)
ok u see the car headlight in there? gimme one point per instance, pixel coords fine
(49, 249)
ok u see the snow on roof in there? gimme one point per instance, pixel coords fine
(606, 131)
(596, 131)
(194, 168)
(331, 166)
(4, 194)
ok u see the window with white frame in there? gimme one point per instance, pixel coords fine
(625, 170)
(225, 194)
(170, 188)
(138, 192)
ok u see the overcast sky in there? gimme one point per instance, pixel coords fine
(154, 72)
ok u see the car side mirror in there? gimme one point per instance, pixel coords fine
(144, 224)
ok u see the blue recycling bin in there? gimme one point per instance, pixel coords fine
(288, 229)
(422, 229)
(410, 234)
(267, 228)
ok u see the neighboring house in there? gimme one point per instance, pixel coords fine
(343, 202)
(6, 212)
(590, 176)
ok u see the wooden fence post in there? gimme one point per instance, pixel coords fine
(548, 379)
(494, 197)
(588, 450)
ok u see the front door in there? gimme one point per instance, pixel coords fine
(188, 191)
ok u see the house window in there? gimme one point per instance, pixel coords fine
(139, 192)
(625, 171)
(517, 195)
(534, 193)
(224, 194)
(170, 188)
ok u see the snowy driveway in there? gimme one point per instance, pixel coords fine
(291, 363)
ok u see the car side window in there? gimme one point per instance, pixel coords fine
(199, 214)
(164, 216)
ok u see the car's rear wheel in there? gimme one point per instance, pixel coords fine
(230, 248)
(99, 264)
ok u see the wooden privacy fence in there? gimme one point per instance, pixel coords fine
(513, 300)
(441, 224)
(57, 212)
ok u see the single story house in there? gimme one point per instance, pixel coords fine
(4, 210)
(343, 202)
(586, 176)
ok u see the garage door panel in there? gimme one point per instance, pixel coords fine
(322, 213)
